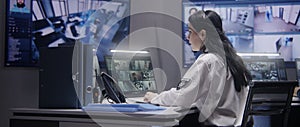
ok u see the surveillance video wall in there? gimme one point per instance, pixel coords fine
(252, 26)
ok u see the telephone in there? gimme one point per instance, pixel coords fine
(112, 89)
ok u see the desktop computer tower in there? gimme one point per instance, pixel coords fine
(56, 87)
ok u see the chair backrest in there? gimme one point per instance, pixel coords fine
(269, 98)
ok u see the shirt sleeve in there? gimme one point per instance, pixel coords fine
(203, 89)
(186, 95)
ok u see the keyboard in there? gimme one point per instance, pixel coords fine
(135, 100)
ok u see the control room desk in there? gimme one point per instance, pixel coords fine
(26, 117)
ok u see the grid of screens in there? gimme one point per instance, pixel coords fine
(252, 26)
(298, 69)
(134, 76)
(32, 24)
(266, 69)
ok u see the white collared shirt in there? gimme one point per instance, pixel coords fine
(209, 86)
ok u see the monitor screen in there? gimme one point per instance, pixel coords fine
(287, 45)
(55, 23)
(250, 24)
(298, 69)
(134, 75)
(19, 48)
(276, 17)
(266, 69)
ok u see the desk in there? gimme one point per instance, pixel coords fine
(28, 117)
(25, 117)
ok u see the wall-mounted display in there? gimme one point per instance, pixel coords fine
(35, 24)
(251, 26)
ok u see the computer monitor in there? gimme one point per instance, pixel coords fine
(19, 50)
(134, 75)
(35, 24)
(251, 25)
(266, 69)
(276, 28)
(297, 61)
(237, 19)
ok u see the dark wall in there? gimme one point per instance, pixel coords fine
(19, 86)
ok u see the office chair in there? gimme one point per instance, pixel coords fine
(267, 98)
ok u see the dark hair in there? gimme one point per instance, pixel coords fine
(217, 42)
(195, 9)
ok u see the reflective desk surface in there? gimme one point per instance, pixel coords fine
(68, 117)
(79, 118)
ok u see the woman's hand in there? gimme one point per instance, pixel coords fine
(149, 96)
(296, 91)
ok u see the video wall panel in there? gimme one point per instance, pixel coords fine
(251, 26)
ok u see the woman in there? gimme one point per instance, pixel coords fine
(217, 82)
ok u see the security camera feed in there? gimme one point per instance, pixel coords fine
(266, 69)
(274, 18)
(132, 74)
(286, 45)
(237, 23)
(242, 43)
(235, 19)
(298, 69)
(251, 26)
(263, 70)
(35, 24)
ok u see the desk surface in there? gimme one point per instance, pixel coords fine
(168, 117)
